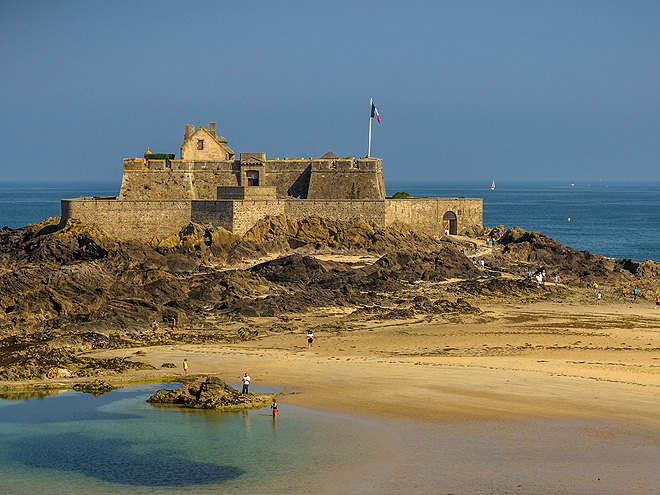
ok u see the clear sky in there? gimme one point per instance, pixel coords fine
(509, 90)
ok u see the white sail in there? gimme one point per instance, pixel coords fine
(492, 188)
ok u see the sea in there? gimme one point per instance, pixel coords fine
(614, 219)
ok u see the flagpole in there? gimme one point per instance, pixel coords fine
(371, 104)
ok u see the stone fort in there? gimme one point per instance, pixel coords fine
(160, 195)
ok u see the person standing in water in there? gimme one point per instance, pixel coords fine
(273, 406)
(246, 383)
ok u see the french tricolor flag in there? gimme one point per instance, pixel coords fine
(374, 112)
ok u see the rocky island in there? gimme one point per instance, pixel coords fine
(211, 393)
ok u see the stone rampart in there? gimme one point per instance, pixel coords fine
(142, 220)
(347, 179)
(345, 210)
(315, 178)
(139, 220)
(236, 216)
(427, 213)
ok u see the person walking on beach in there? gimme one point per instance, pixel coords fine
(246, 383)
(185, 367)
(598, 296)
(310, 339)
(635, 292)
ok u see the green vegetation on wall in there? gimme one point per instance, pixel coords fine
(160, 156)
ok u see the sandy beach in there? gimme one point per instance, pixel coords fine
(540, 398)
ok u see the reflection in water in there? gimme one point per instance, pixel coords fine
(31, 394)
(112, 460)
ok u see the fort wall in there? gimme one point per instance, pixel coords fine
(346, 210)
(314, 178)
(139, 220)
(210, 185)
(142, 220)
(427, 213)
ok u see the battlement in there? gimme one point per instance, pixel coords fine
(209, 184)
(207, 163)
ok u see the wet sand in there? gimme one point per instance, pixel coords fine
(543, 398)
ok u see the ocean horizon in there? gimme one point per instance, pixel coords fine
(612, 218)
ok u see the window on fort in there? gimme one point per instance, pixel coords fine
(252, 177)
(200, 144)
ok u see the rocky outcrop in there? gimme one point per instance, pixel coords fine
(67, 290)
(212, 393)
(96, 387)
(525, 251)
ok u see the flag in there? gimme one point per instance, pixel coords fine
(374, 112)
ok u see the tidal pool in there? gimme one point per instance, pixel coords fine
(117, 443)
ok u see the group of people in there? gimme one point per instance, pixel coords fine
(541, 277)
(156, 327)
(624, 293)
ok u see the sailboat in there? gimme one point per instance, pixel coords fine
(492, 188)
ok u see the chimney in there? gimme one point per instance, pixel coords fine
(212, 128)
(185, 138)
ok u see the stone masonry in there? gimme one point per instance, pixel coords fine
(209, 185)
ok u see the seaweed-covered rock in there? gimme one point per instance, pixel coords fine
(96, 387)
(212, 393)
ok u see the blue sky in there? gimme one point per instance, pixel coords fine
(564, 90)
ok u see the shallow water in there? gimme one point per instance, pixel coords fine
(525, 457)
(117, 443)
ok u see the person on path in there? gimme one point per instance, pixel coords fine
(595, 287)
(173, 324)
(635, 292)
(624, 292)
(246, 383)
(185, 367)
(598, 296)
(310, 339)
(657, 302)
(273, 406)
